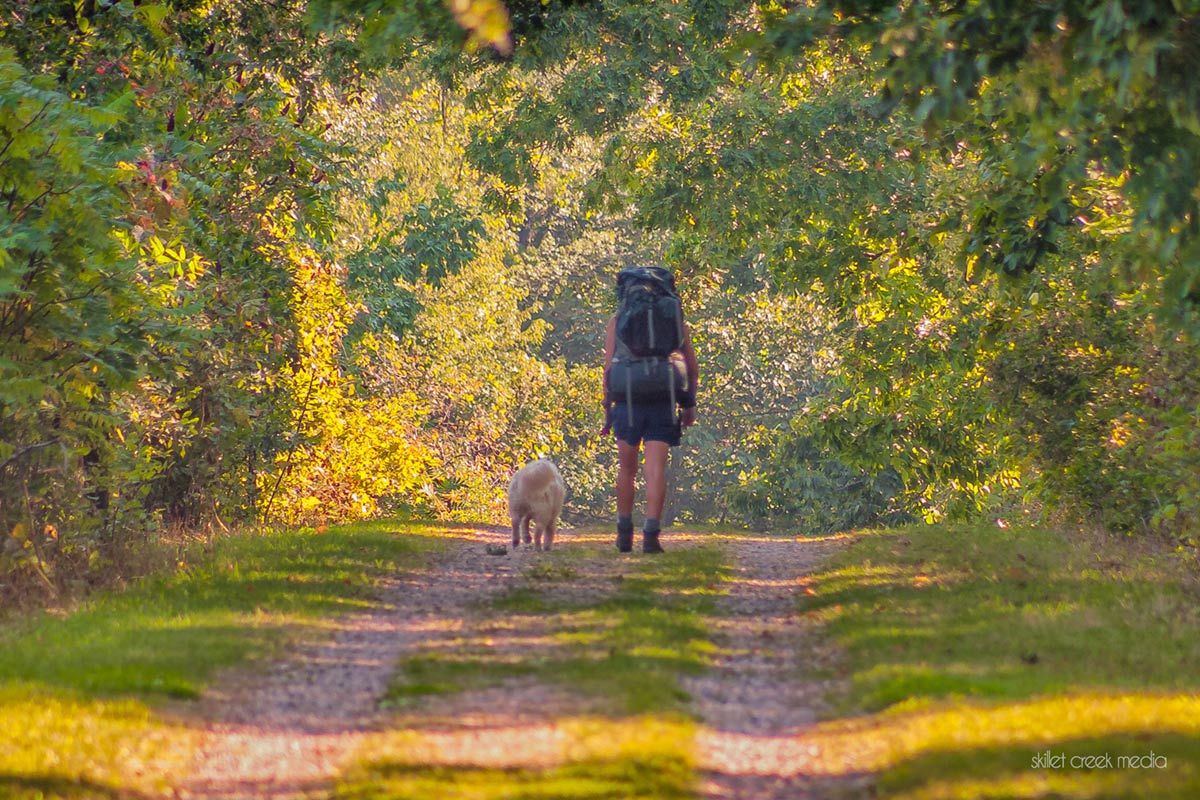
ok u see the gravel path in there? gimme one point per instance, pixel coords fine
(286, 732)
(760, 697)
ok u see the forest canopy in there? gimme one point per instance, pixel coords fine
(327, 259)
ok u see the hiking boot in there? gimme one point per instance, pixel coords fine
(625, 539)
(650, 542)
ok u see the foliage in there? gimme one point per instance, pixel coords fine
(715, 175)
(491, 402)
(327, 258)
(439, 238)
(172, 294)
(467, 370)
(1047, 94)
(1025, 142)
(345, 451)
(1104, 393)
(76, 315)
(190, 173)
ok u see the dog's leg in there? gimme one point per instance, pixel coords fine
(548, 537)
(528, 538)
(516, 526)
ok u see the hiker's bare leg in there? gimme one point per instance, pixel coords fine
(655, 468)
(627, 456)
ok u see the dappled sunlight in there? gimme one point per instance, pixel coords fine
(533, 753)
(437, 625)
(501, 746)
(1050, 611)
(863, 575)
(1044, 720)
(787, 584)
(484, 652)
(54, 743)
(425, 528)
(841, 538)
(252, 762)
(1078, 724)
(580, 674)
(1129, 725)
(702, 591)
(1024, 782)
(567, 536)
(930, 628)
(740, 754)
(727, 536)
(570, 756)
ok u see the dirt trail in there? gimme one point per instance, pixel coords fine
(286, 733)
(759, 698)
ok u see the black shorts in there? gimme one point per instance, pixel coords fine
(652, 422)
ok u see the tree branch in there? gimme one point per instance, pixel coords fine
(25, 450)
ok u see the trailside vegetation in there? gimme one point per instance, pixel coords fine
(324, 260)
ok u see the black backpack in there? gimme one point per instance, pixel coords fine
(649, 313)
(649, 328)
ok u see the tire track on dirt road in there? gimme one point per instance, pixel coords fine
(286, 732)
(759, 701)
(289, 731)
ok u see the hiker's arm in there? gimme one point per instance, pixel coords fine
(687, 416)
(689, 361)
(610, 347)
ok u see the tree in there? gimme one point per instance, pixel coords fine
(1048, 96)
(76, 315)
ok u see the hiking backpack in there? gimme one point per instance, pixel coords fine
(649, 329)
(649, 313)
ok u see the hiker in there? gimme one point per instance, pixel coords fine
(650, 370)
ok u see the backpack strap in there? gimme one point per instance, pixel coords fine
(629, 395)
(671, 382)
(624, 354)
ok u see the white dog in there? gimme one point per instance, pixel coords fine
(535, 494)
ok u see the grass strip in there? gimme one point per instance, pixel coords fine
(629, 647)
(626, 648)
(1014, 663)
(645, 757)
(62, 745)
(78, 691)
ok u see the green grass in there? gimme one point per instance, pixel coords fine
(665, 778)
(78, 690)
(626, 651)
(977, 648)
(970, 653)
(243, 598)
(641, 758)
(58, 744)
(629, 648)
